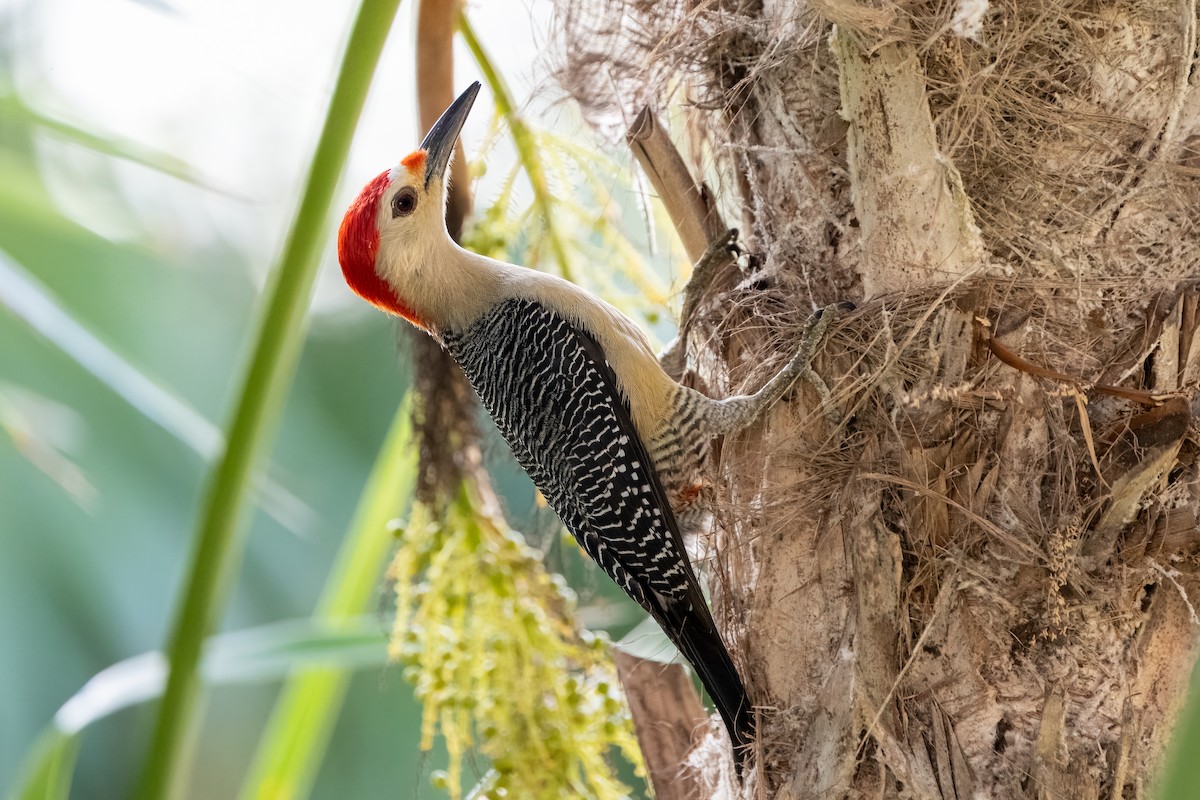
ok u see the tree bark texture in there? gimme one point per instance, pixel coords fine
(972, 570)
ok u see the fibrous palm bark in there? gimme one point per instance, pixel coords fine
(971, 571)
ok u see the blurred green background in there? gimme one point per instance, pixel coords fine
(151, 156)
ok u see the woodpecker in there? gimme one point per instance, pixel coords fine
(614, 444)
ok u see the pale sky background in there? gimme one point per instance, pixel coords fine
(237, 90)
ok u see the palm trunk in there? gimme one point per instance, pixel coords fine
(971, 572)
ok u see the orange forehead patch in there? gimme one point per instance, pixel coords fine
(414, 163)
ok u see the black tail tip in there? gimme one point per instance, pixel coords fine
(743, 742)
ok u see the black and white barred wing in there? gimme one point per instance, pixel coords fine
(556, 401)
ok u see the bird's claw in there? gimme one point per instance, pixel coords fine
(815, 330)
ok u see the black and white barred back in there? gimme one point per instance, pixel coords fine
(556, 401)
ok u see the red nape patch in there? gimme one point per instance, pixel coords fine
(414, 162)
(358, 245)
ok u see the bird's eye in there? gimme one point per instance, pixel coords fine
(405, 202)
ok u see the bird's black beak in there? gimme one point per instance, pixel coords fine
(439, 142)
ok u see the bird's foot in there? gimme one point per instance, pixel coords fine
(721, 251)
(815, 330)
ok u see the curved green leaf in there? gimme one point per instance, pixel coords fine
(260, 403)
(293, 746)
(266, 653)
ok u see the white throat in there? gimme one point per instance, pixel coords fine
(446, 286)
